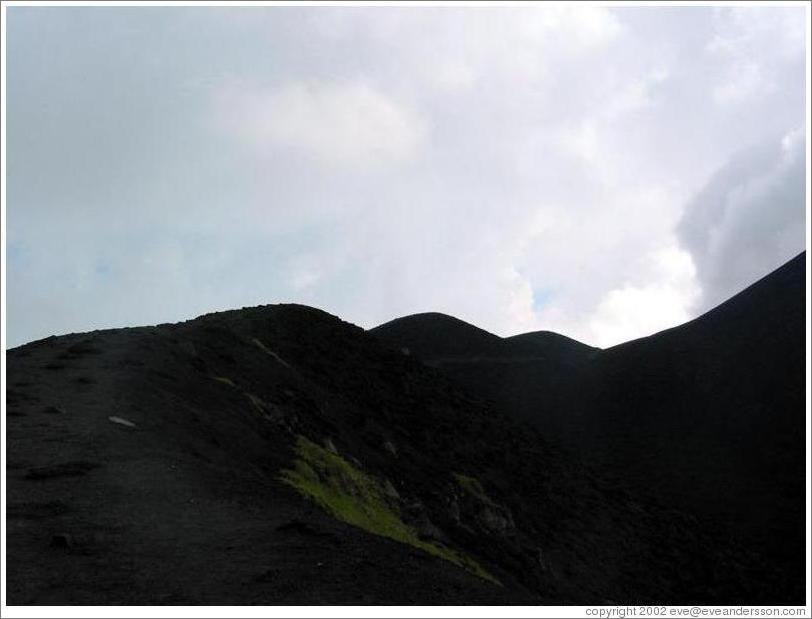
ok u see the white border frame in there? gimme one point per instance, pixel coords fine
(376, 611)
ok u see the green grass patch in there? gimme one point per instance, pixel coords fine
(359, 499)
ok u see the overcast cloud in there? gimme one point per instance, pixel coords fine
(604, 173)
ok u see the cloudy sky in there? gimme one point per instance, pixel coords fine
(600, 172)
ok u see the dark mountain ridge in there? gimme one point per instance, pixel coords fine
(435, 336)
(708, 415)
(440, 335)
(516, 373)
(547, 342)
(277, 455)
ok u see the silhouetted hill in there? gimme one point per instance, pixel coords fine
(712, 413)
(561, 347)
(277, 455)
(435, 335)
(708, 416)
(519, 373)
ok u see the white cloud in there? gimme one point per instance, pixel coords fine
(745, 80)
(451, 48)
(637, 94)
(575, 28)
(749, 218)
(452, 75)
(666, 300)
(348, 125)
(751, 43)
(740, 31)
(582, 141)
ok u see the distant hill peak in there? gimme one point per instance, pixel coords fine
(432, 335)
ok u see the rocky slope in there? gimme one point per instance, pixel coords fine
(708, 416)
(277, 455)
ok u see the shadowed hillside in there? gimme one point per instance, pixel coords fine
(517, 372)
(712, 413)
(708, 416)
(277, 455)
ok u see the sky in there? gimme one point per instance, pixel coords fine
(604, 173)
